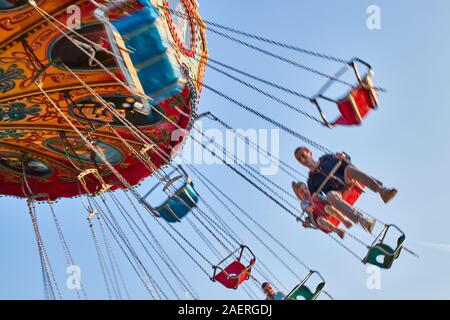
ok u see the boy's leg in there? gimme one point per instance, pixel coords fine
(336, 213)
(353, 174)
(328, 226)
(335, 199)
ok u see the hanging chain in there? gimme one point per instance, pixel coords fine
(80, 292)
(201, 22)
(115, 201)
(45, 262)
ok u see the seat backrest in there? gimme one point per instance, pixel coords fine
(383, 250)
(352, 194)
(152, 66)
(357, 104)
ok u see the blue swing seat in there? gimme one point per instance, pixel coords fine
(150, 55)
(180, 204)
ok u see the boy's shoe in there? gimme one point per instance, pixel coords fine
(387, 194)
(368, 224)
(347, 223)
(340, 233)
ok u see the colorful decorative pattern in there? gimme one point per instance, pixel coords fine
(75, 148)
(15, 162)
(17, 111)
(12, 4)
(11, 134)
(7, 77)
(30, 125)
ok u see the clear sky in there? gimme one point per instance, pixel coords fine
(404, 144)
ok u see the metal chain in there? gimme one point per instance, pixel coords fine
(281, 58)
(179, 244)
(162, 252)
(45, 263)
(203, 178)
(151, 283)
(255, 173)
(345, 247)
(267, 82)
(142, 273)
(204, 239)
(80, 292)
(109, 254)
(257, 37)
(266, 153)
(269, 95)
(129, 220)
(246, 227)
(268, 119)
(101, 259)
(249, 181)
(121, 210)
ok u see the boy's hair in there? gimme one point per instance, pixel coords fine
(265, 284)
(300, 148)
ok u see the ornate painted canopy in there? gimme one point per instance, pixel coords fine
(39, 151)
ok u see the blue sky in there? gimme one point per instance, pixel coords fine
(404, 144)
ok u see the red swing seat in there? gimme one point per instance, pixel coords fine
(319, 212)
(350, 195)
(233, 275)
(356, 104)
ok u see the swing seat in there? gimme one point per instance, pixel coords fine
(234, 274)
(319, 212)
(180, 204)
(386, 252)
(303, 291)
(149, 63)
(350, 195)
(306, 293)
(356, 104)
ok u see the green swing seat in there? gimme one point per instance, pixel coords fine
(304, 291)
(380, 249)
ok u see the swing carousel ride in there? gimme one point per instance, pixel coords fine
(96, 96)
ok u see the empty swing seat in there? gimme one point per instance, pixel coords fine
(234, 274)
(180, 204)
(149, 61)
(303, 291)
(306, 293)
(356, 104)
(381, 254)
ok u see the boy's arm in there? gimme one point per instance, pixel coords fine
(343, 156)
(307, 206)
